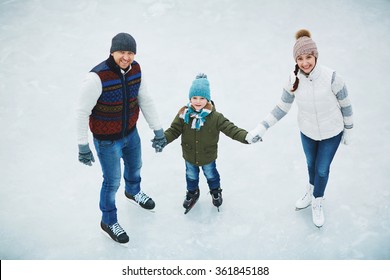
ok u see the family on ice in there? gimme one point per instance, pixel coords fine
(114, 92)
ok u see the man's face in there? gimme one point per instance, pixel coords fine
(123, 58)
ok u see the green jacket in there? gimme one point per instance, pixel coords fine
(200, 147)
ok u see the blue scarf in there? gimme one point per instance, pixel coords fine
(199, 118)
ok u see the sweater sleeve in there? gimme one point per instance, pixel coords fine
(341, 92)
(281, 109)
(175, 130)
(91, 89)
(148, 107)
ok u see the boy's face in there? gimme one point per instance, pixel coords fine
(198, 102)
(123, 58)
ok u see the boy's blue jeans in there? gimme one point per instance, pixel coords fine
(319, 156)
(110, 154)
(210, 172)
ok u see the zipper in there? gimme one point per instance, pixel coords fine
(125, 105)
(314, 104)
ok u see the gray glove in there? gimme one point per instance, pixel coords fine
(85, 155)
(159, 141)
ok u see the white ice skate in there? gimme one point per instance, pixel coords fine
(305, 201)
(318, 211)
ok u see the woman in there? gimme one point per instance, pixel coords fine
(324, 118)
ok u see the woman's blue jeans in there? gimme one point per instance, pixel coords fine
(110, 154)
(319, 156)
(210, 172)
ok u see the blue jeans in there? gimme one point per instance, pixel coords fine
(210, 172)
(319, 156)
(110, 154)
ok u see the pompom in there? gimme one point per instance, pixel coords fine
(201, 76)
(301, 33)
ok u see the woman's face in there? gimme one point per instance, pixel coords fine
(306, 62)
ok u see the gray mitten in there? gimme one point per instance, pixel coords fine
(85, 155)
(159, 141)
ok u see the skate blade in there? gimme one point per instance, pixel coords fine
(126, 245)
(189, 208)
(299, 209)
(132, 202)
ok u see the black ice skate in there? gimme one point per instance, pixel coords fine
(216, 196)
(116, 232)
(190, 200)
(142, 199)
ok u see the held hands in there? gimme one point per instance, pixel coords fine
(256, 134)
(85, 155)
(159, 141)
(252, 138)
(347, 136)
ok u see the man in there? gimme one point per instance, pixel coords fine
(112, 94)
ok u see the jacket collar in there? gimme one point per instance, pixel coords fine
(209, 106)
(314, 74)
(114, 67)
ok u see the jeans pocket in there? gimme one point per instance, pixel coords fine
(106, 143)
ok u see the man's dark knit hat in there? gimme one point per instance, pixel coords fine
(123, 42)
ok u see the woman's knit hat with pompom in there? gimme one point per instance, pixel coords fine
(304, 44)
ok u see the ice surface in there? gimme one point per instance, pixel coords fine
(49, 201)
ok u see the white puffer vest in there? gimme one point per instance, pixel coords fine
(319, 114)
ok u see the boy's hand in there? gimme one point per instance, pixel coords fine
(159, 141)
(256, 134)
(252, 139)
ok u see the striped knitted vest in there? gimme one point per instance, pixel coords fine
(116, 111)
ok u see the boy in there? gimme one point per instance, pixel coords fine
(199, 125)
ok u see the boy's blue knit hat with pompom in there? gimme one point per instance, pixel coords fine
(200, 87)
